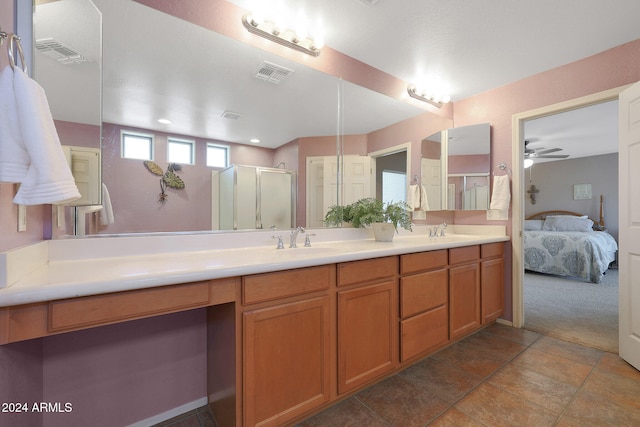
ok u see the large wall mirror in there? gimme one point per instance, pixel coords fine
(216, 92)
(455, 168)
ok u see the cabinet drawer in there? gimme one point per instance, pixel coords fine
(270, 286)
(423, 261)
(464, 254)
(112, 308)
(351, 273)
(492, 250)
(424, 332)
(424, 291)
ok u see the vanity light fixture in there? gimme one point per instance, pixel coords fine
(270, 30)
(425, 96)
(254, 141)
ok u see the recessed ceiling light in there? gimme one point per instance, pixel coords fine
(164, 121)
(254, 140)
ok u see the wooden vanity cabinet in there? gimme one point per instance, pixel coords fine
(367, 321)
(492, 281)
(286, 345)
(464, 290)
(424, 309)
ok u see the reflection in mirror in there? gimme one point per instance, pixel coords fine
(431, 170)
(455, 167)
(212, 89)
(468, 167)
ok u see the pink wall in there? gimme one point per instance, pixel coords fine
(134, 191)
(121, 374)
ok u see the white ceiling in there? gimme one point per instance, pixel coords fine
(469, 46)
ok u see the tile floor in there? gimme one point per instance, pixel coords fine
(500, 376)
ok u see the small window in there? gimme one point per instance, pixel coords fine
(180, 151)
(393, 186)
(137, 145)
(217, 156)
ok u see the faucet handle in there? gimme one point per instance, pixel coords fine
(444, 227)
(307, 241)
(280, 243)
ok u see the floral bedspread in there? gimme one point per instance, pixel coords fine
(569, 253)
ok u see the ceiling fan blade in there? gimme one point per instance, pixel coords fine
(554, 156)
(548, 151)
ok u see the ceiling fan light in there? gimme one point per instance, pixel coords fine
(528, 163)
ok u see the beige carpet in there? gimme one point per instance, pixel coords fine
(573, 310)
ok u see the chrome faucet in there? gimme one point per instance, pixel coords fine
(294, 236)
(433, 232)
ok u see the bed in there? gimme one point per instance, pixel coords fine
(565, 243)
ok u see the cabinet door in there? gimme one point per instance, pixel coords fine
(424, 332)
(367, 333)
(464, 299)
(492, 280)
(286, 361)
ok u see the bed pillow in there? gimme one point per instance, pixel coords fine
(567, 223)
(533, 224)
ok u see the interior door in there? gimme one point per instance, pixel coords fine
(629, 227)
(431, 172)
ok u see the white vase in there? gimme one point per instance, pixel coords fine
(383, 231)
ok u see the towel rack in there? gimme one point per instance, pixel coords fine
(416, 180)
(501, 168)
(14, 42)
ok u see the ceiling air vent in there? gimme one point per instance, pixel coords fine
(58, 51)
(230, 115)
(273, 73)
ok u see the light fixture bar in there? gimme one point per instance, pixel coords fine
(436, 102)
(270, 31)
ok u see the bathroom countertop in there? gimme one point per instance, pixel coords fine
(53, 270)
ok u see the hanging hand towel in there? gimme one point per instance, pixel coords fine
(106, 214)
(48, 179)
(413, 197)
(424, 201)
(501, 194)
(14, 159)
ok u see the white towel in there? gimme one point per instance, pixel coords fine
(417, 198)
(14, 159)
(106, 214)
(501, 194)
(413, 197)
(48, 178)
(424, 201)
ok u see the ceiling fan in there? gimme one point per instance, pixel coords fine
(542, 153)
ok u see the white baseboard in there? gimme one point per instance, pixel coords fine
(167, 415)
(504, 322)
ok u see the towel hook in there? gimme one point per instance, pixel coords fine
(503, 167)
(15, 39)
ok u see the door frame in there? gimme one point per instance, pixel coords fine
(517, 168)
(385, 152)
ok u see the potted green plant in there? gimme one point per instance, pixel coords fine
(338, 216)
(383, 218)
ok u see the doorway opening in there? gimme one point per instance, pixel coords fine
(520, 195)
(390, 172)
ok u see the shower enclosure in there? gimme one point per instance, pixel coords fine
(252, 197)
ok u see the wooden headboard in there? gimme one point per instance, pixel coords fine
(543, 215)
